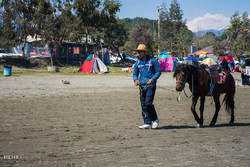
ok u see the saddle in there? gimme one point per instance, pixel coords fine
(216, 74)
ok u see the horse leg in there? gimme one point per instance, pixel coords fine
(194, 102)
(217, 109)
(202, 102)
(231, 103)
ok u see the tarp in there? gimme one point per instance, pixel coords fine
(201, 52)
(191, 62)
(208, 56)
(208, 61)
(93, 65)
(191, 58)
(228, 58)
(167, 62)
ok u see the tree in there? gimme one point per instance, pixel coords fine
(26, 17)
(141, 35)
(115, 36)
(94, 16)
(175, 36)
(7, 33)
(57, 26)
(236, 34)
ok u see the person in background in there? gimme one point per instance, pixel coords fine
(148, 70)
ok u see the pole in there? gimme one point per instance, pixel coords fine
(159, 27)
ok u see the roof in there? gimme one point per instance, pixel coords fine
(207, 49)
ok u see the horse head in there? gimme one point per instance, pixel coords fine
(181, 74)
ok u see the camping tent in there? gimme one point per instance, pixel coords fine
(228, 58)
(93, 65)
(208, 61)
(191, 58)
(167, 62)
(163, 53)
(208, 56)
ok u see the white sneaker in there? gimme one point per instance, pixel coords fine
(155, 124)
(145, 126)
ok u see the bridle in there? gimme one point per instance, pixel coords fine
(184, 83)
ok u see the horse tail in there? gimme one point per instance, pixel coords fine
(229, 98)
(227, 104)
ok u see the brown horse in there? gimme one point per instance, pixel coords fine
(199, 80)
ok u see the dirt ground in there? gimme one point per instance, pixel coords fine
(93, 121)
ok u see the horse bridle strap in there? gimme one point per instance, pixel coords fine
(184, 83)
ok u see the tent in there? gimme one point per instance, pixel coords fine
(208, 61)
(167, 62)
(93, 65)
(228, 58)
(209, 56)
(163, 53)
(191, 58)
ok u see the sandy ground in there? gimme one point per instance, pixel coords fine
(93, 121)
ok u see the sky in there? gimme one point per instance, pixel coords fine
(199, 14)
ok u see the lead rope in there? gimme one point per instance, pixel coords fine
(192, 88)
(211, 88)
(141, 91)
(178, 94)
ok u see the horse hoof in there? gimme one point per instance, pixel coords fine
(212, 124)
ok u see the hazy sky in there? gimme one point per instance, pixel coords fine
(200, 14)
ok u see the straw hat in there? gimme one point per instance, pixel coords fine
(142, 47)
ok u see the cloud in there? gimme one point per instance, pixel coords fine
(208, 21)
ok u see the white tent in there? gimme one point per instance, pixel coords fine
(212, 56)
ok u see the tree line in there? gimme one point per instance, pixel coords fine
(57, 21)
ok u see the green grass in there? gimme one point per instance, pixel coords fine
(66, 70)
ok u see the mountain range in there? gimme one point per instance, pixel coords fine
(203, 32)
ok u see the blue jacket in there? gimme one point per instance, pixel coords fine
(149, 69)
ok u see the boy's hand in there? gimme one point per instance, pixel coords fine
(137, 83)
(150, 81)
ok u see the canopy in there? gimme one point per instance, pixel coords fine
(208, 61)
(228, 58)
(201, 52)
(191, 58)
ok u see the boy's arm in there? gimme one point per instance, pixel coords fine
(157, 69)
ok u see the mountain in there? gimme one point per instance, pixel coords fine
(203, 32)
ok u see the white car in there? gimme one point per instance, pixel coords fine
(115, 59)
(4, 53)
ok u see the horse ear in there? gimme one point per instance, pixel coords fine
(186, 65)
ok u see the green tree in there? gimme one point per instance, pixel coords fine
(95, 16)
(24, 17)
(57, 26)
(116, 36)
(175, 36)
(236, 34)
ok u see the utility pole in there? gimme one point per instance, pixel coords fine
(159, 26)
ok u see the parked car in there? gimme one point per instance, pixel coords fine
(115, 59)
(130, 58)
(4, 53)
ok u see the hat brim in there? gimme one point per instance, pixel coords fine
(143, 50)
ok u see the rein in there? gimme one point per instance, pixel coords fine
(184, 83)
